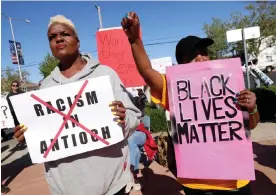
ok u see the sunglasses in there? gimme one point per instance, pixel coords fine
(15, 85)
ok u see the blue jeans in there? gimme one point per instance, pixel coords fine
(135, 142)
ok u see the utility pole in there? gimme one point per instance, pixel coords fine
(246, 59)
(14, 43)
(99, 15)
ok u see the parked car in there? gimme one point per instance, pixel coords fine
(265, 67)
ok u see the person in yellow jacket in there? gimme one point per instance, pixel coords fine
(189, 49)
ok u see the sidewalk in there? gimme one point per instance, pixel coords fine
(23, 178)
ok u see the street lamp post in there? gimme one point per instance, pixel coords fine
(13, 39)
(99, 15)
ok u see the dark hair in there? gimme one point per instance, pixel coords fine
(15, 81)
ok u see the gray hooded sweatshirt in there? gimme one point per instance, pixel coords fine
(99, 172)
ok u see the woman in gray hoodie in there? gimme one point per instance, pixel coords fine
(101, 172)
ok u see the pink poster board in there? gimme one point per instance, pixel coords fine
(210, 139)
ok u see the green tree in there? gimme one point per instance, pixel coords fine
(9, 75)
(217, 31)
(47, 65)
(261, 13)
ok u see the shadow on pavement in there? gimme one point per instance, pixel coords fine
(12, 169)
(18, 147)
(265, 154)
(154, 184)
(262, 185)
(4, 148)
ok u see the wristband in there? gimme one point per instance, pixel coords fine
(254, 111)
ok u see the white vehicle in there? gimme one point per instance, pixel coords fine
(265, 67)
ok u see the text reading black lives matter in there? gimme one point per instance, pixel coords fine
(113, 47)
(78, 138)
(190, 132)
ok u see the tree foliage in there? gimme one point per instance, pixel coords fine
(9, 75)
(261, 13)
(47, 65)
(217, 32)
(157, 119)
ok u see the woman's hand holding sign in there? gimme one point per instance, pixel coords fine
(247, 99)
(19, 132)
(119, 111)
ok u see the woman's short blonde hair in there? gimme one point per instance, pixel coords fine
(62, 20)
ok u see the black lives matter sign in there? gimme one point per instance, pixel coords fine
(208, 127)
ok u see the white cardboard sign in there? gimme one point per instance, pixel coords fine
(160, 64)
(91, 110)
(6, 117)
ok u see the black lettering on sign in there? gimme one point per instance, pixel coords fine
(106, 132)
(91, 97)
(80, 102)
(38, 110)
(213, 130)
(64, 138)
(225, 86)
(92, 137)
(49, 111)
(221, 132)
(182, 90)
(194, 134)
(181, 114)
(205, 88)
(190, 91)
(183, 131)
(216, 108)
(207, 111)
(231, 106)
(233, 130)
(69, 101)
(60, 105)
(212, 86)
(75, 116)
(203, 127)
(195, 110)
(74, 140)
(83, 138)
(43, 147)
(55, 146)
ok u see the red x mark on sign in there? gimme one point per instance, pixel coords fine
(66, 118)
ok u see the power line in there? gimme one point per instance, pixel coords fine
(147, 44)
(151, 44)
(24, 66)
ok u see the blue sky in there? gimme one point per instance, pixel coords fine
(161, 21)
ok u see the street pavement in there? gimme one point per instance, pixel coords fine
(25, 178)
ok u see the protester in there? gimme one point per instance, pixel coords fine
(140, 101)
(140, 138)
(189, 49)
(14, 91)
(103, 171)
